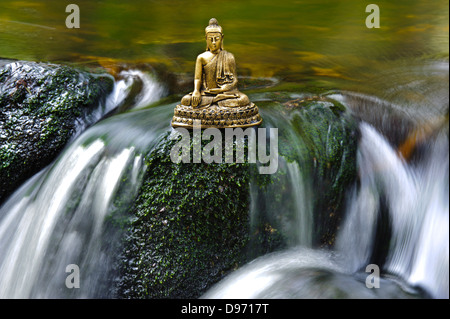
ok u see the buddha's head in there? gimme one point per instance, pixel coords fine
(214, 36)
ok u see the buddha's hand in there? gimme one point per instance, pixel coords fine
(196, 98)
(216, 91)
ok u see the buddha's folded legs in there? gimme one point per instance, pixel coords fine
(206, 100)
(232, 100)
(224, 100)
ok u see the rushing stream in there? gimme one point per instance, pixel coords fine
(63, 216)
(58, 217)
(418, 254)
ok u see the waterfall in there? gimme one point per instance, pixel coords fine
(74, 211)
(293, 213)
(415, 196)
(41, 228)
(152, 89)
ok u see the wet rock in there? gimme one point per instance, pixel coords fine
(192, 220)
(317, 139)
(331, 138)
(42, 106)
(330, 135)
(190, 228)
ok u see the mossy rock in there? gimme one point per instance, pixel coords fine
(190, 229)
(331, 137)
(191, 222)
(41, 108)
(319, 135)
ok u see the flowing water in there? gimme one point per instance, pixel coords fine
(70, 213)
(61, 216)
(418, 203)
(393, 80)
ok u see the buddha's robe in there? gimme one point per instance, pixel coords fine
(221, 70)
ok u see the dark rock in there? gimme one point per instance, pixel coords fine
(192, 221)
(41, 108)
(190, 229)
(330, 136)
(320, 135)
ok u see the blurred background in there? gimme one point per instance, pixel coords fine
(307, 40)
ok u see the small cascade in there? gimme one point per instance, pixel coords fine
(73, 211)
(396, 217)
(416, 198)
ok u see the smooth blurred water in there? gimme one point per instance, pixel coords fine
(418, 252)
(73, 212)
(318, 41)
(41, 233)
(416, 197)
(302, 273)
(286, 202)
(394, 79)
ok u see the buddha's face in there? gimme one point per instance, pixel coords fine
(214, 41)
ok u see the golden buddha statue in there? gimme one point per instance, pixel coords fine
(216, 100)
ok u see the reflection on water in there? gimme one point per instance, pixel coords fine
(296, 40)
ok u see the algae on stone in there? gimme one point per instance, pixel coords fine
(41, 108)
(320, 137)
(190, 227)
(330, 138)
(191, 221)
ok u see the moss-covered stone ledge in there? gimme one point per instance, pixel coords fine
(329, 135)
(318, 140)
(41, 107)
(191, 222)
(190, 229)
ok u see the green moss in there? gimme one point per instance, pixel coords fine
(190, 229)
(329, 138)
(191, 221)
(41, 106)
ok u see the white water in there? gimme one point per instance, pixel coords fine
(152, 90)
(60, 216)
(293, 213)
(417, 200)
(30, 228)
(297, 223)
(258, 278)
(299, 273)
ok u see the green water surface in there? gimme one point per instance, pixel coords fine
(317, 41)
